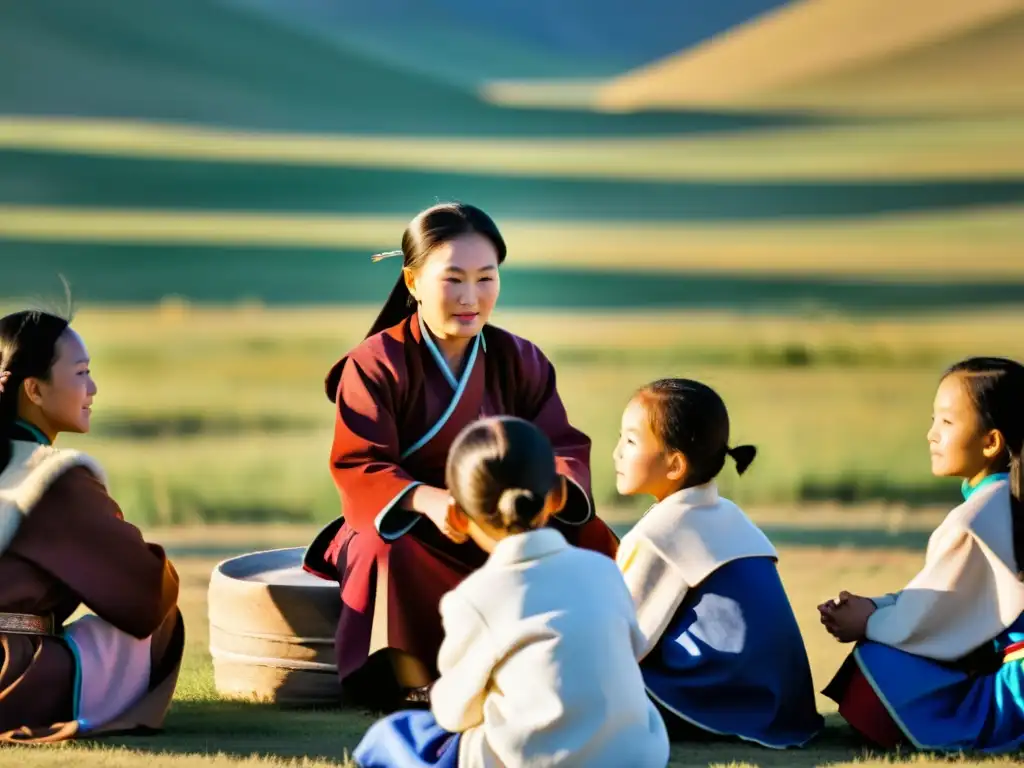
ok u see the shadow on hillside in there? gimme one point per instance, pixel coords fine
(147, 273)
(42, 178)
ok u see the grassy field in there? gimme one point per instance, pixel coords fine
(210, 415)
(204, 732)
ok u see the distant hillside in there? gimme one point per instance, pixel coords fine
(471, 42)
(980, 69)
(207, 62)
(797, 49)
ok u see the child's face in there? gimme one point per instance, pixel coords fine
(959, 445)
(642, 465)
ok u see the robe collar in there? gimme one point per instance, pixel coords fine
(29, 433)
(969, 490)
(478, 344)
(529, 545)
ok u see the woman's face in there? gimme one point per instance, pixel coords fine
(457, 287)
(64, 403)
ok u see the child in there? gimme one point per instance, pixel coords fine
(538, 665)
(939, 663)
(722, 654)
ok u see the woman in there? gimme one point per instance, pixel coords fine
(64, 544)
(939, 663)
(429, 366)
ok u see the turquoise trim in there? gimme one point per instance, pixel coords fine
(459, 391)
(76, 691)
(34, 431)
(436, 354)
(969, 490)
(378, 522)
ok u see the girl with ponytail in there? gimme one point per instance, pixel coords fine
(538, 664)
(940, 664)
(722, 654)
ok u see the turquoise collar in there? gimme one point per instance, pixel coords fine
(968, 490)
(30, 432)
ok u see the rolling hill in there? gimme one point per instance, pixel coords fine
(824, 53)
(201, 61)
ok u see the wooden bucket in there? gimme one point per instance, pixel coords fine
(272, 628)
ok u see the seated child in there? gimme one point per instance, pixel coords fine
(722, 654)
(940, 664)
(538, 665)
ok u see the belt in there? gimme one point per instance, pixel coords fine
(28, 624)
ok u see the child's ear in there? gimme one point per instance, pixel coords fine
(457, 519)
(676, 466)
(994, 445)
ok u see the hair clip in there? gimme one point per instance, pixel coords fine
(385, 255)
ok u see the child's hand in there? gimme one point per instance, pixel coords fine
(847, 618)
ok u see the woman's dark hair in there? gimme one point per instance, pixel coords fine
(500, 471)
(690, 417)
(431, 228)
(996, 388)
(28, 349)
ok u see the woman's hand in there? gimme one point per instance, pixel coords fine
(4, 375)
(434, 504)
(846, 618)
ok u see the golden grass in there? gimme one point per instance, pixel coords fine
(967, 245)
(799, 41)
(203, 732)
(249, 380)
(920, 149)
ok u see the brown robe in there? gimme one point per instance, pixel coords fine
(397, 415)
(75, 548)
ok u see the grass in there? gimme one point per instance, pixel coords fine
(218, 415)
(203, 731)
(952, 147)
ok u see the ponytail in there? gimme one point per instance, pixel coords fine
(519, 509)
(398, 306)
(1016, 472)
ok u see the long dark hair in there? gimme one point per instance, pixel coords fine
(690, 417)
(431, 228)
(996, 388)
(500, 471)
(28, 349)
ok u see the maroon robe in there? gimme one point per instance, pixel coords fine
(398, 413)
(74, 548)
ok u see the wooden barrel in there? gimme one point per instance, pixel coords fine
(272, 630)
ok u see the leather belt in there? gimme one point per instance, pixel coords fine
(28, 624)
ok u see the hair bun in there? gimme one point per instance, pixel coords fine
(519, 507)
(743, 455)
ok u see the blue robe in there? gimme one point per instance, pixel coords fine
(976, 704)
(732, 661)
